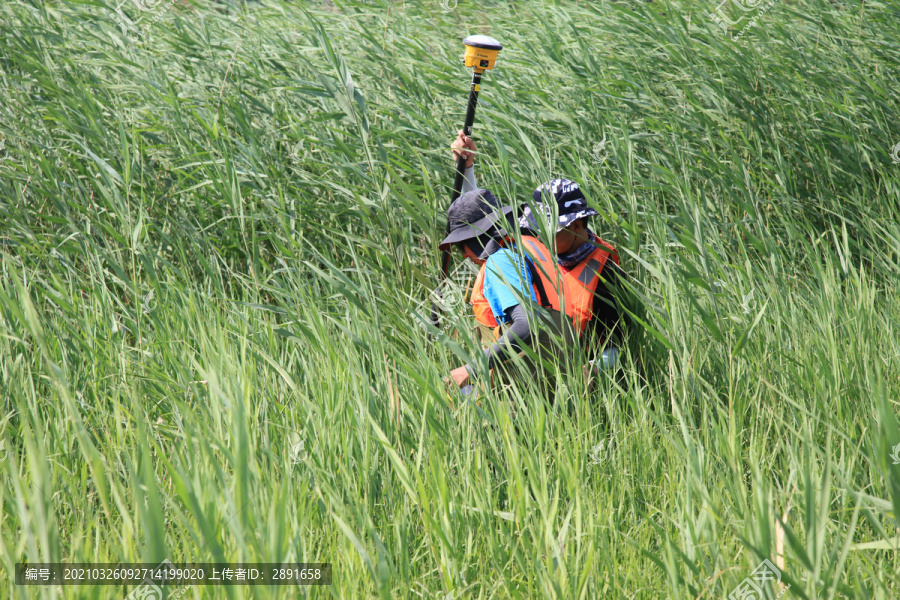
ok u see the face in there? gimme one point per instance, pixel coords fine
(467, 252)
(566, 238)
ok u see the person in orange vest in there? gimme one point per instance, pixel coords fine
(576, 286)
(581, 255)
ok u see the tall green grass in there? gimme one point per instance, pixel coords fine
(216, 233)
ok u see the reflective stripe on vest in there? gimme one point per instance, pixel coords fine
(590, 271)
(537, 248)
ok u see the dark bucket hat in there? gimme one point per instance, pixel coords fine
(570, 201)
(475, 214)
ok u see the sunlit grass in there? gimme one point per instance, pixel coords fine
(215, 233)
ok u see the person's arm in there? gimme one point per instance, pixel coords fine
(518, 334)
(503, 271)
(464, 145)
(469, 183)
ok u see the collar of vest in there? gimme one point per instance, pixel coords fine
(587, 272)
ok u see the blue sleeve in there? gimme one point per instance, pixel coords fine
(506, 279)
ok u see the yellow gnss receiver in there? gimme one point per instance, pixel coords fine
(481, 52)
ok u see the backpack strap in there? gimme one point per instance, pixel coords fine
(538, 284)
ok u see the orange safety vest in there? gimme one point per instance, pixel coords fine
(480, 305)
(577, 285)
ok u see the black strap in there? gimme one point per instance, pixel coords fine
(538, 284)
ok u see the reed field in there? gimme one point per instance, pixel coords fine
(218, 231)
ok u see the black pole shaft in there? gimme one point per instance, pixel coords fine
(467, 129)
(458, 183)
(461, 162)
